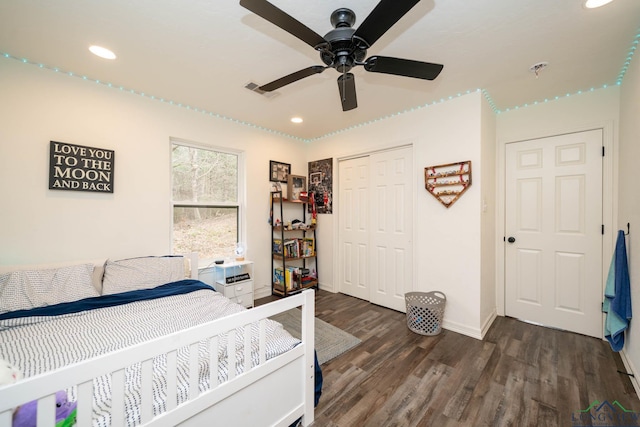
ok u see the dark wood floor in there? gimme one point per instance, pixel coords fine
(519, 375)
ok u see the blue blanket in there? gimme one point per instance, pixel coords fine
(174, 288)
(617, 296)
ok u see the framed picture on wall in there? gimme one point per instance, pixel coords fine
(295, 185)
(278, 172)
(321, 184)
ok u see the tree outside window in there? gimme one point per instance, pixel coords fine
(205, 197)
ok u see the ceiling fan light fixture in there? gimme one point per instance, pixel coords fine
(102, 52)
(592, 4)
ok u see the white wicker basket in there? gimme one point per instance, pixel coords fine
(425, 311)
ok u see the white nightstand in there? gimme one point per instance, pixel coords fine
(232, 279)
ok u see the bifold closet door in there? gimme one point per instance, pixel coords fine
(376, 227)
(353, 223)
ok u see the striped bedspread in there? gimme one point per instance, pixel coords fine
(42, 343)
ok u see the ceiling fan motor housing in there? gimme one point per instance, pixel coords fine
(342, 53)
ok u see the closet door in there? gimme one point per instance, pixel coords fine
(353, 223)
(376, 227)
(391, 230)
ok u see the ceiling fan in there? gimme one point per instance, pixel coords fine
(345, 47)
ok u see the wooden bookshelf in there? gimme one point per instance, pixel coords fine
(294, 261)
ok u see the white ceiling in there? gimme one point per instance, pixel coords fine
(201, 54)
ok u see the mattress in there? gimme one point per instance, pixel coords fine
(38, 341)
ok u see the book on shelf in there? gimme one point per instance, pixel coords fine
(277, 246)
(307, 247)
(291, 248)
(291, 277)
(287, 278)
(278, 277)
(295, 248)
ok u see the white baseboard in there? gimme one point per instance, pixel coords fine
(462, 329)
(261, 293)
(477, 333)
(328, 288)
(488, 322)
(632, 370)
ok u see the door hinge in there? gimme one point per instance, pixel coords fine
(603, 151)
(602, 229)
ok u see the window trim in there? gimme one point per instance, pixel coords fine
(241, 200)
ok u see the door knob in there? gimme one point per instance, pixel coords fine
(511, 239)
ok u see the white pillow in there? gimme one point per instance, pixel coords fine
(23, 290)
(141, 273)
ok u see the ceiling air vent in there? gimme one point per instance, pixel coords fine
(254, 87)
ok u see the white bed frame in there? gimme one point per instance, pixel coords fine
(275, 393)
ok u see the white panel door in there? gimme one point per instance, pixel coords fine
(353, 224)
(391, 228)
(375, 220)
(553, 253)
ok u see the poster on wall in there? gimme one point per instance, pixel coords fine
(79, 168)
(321, 184)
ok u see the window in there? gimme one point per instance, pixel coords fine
(206, 200)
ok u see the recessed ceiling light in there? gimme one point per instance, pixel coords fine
(296, 120)
(102, 52)
(592, 4)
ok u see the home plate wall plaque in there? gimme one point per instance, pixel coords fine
(448, 182)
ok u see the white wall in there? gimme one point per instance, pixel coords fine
(38, 225)
(574, 113)
(590, 110)
(447, 243)
(629, 205)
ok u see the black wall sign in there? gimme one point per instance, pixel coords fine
(79, 168)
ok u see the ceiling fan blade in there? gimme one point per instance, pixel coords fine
(347, 86)
(381, 18)
(278, 17)
(293, 77)
(403, 67)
